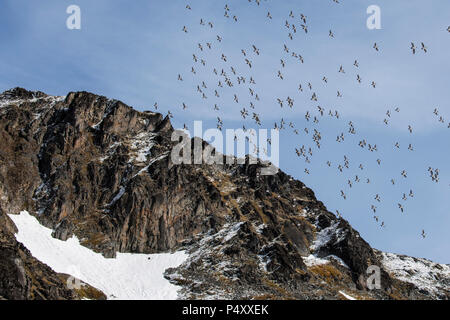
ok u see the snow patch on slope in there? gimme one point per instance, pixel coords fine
(425, 274)
(346, 296)
(141, 146)
(324, 236)
(5, 101)
(313, 260)
(128, 276)
(210, 245)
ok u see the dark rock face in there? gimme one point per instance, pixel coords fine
(96, 168)
(77, 155)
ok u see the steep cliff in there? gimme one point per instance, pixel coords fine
(93, 167)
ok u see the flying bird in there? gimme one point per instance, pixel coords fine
(423, 47)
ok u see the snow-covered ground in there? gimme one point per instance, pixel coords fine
(4, 101)
(313, 260)
(423, 273)
(322, 239)
(346, 296)
(141, 145)
(128, 276)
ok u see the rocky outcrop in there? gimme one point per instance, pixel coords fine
(96, 168)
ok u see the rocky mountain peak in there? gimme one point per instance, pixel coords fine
(93, 167)
(21, 93)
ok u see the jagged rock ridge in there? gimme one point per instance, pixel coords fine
(96, 168)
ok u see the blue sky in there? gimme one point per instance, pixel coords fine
(134, 51)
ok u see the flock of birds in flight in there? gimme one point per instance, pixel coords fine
(226, 80)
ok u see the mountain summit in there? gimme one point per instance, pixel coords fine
(93, 168)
